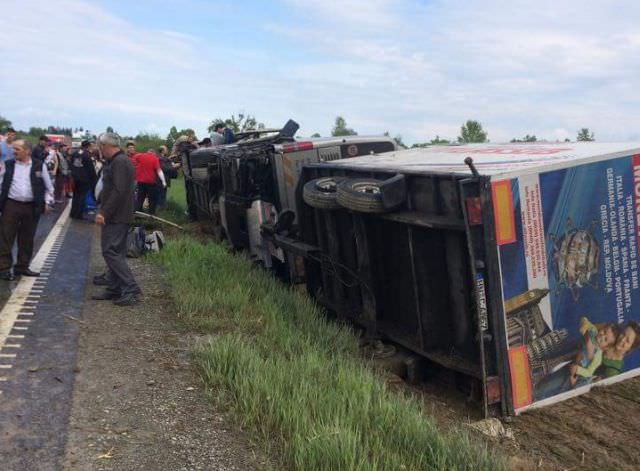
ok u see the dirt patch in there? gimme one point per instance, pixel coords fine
(598, 430)
(137, 403)
(595, 431)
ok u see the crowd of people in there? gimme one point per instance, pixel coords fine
(75, 172)
(100, 178)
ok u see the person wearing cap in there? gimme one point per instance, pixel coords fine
(84, 177)
(115, 213)
(6, 151)
(25, 193)
(41, 151)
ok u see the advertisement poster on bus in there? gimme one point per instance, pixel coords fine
(568, 244)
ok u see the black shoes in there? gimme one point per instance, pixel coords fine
(127, 300)
(118, 299)
(106, 295)
(27, 272)
(8, 276)
(101, 280)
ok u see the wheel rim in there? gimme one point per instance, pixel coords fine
(326, 185)
(366, 187)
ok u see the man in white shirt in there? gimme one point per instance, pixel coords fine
(25, 193)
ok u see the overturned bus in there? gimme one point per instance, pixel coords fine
(239, 188)
(512, 268)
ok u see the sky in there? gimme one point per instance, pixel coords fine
(415, 68)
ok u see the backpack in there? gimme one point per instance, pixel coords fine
(154, 242)
(136, 242)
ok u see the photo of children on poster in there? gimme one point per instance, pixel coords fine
(571, 279)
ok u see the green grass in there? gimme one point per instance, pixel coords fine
(295, 380)
(176, 202)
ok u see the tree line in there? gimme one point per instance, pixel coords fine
(471, 131)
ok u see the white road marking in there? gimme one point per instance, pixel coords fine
(12, 345)
(15, 327)
(5, 367)
(24, 320)
(14, 336)
(18, 298)
(7, 355)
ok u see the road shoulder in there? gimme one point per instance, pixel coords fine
(137, 403)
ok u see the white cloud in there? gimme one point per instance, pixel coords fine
(83, 59)
(518, 67)
(407, 66)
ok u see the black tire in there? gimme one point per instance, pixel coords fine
(363, 195)
(321, 193)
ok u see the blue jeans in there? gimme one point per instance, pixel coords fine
(557, 382)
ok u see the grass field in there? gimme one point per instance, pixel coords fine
(176, 202)
(296, 381)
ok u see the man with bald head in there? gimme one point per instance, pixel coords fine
(115, 212)
(25, 193)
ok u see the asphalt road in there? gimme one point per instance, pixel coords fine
(44, 226)
(39, 321)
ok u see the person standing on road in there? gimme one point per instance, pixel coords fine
(41, 151)
(148, 171)
(84, 178)
(63, 172)
(51, 161)
(115, 212)
(67, 153)
(25, 193)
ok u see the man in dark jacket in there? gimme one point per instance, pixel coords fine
(41, 151)
(84, 177)
(25, 192)
(115, 212)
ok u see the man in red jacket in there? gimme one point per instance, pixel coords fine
(148, 172)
